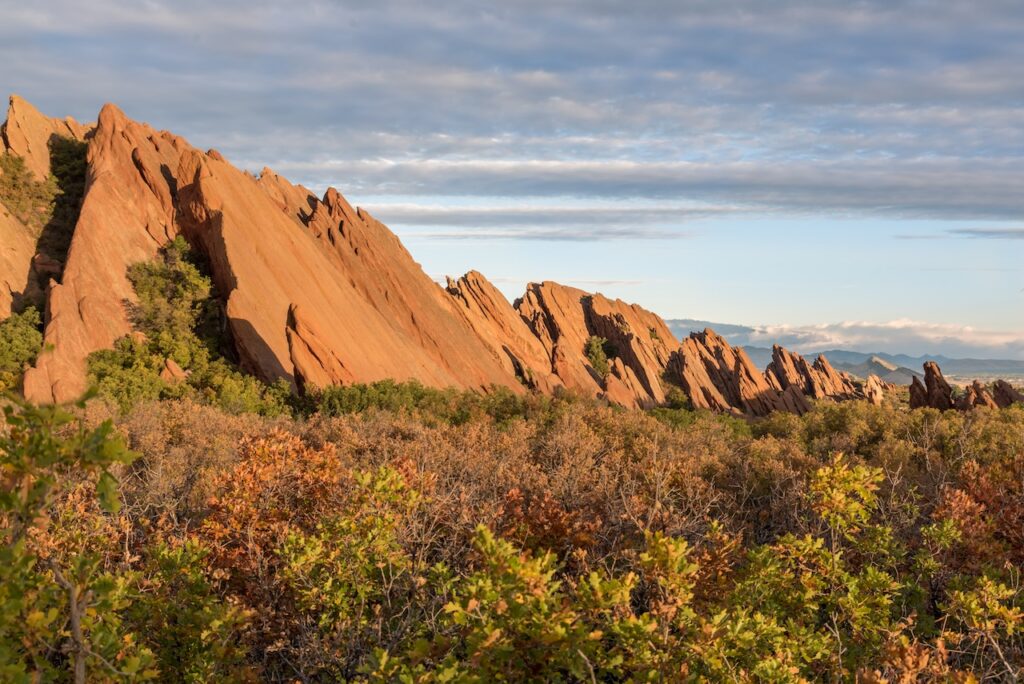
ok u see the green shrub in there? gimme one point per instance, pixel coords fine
(20, 342)
(49, 208)
(31, 201)
(62, 612)
(450, 406)
(179, 319)
(598, 355)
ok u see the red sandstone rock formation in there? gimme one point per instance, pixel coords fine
(918, 394)
(17, 247)
(320, 293)
(874, 390)
(27, 134)
(565, 318)
(172, 373)
(128, 213)
(1005, 395)
(499, 325)
(940, 394)
(817, 381)
(719, 378)
(346, 275)
(315, 365)
(977, 395)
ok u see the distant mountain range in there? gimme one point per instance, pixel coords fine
(895, 368)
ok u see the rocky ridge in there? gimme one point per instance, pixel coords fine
(27, 134)
(316, 292)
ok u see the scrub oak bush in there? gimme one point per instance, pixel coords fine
(177, 318)
(401, 536)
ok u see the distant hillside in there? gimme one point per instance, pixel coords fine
(885, 370)
(861, 363)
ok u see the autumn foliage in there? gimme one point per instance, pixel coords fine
(404, 536)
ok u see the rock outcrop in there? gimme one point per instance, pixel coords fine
(874, 390)
(17, 247)
(976, 396)
(717, 377)
(564, 319)
(128, 213)
(353, 289)
(1005, 395)
(817, 381)
(935, 392)
(494, 320)
(319, 293)
(314, 364)
(28, 134)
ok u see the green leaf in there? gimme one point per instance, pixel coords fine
(107, 490)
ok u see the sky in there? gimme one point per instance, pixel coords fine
(850, 172)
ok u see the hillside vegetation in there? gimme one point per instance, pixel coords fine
(407, 534)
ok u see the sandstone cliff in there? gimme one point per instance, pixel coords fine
(28, 134)
(17, 247)
(564, 319)
(127, 214)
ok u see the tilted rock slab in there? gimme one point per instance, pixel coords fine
(127, 215)
(565, 318)
(718, 377)
(817, 381)
(361, 309)
(17, 247)
(502, 328)
(27, 133)
(1005, 395)
(976, 396)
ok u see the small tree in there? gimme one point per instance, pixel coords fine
(598, 356)
(53, 605)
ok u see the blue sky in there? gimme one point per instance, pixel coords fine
(846, 173)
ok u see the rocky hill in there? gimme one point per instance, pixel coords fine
(315, 292)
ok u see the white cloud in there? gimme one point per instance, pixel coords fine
(902, 336)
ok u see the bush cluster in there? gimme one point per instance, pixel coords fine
(177, 318)
(49, 207)
(20, 342)
(399, 537)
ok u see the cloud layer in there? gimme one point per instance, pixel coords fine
(879, 107)
(895, 337)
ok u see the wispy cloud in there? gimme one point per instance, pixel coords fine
(875, 107)
(991, 233)
(897, 336)
(556, 234)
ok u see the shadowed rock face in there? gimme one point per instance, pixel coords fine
(935, 392)
(28, 134)
(17, 247)
(977, 396)
(1004, 394)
